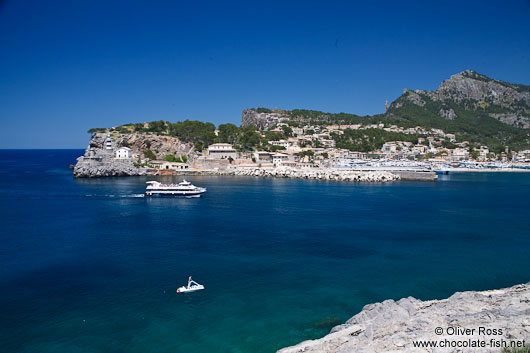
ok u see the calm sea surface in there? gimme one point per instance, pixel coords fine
(92, 266)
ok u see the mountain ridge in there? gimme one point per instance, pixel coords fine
(470, 105)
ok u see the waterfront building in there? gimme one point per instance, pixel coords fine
(262, 156)
(123, 153)
(483, 152)
(523, 156)
(173, 166)
(279, 158)
(288, 163)
(389, 147)
(221, 150)
(460, 154)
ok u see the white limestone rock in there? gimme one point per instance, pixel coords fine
(393, 326)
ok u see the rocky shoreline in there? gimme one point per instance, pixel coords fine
(99, 160)
(90, 169)
(460, 323)
(102, 164)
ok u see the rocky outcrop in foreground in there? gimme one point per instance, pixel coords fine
(459, 323)
(318, 174)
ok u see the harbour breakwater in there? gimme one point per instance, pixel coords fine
(471, 321)
(317, 174)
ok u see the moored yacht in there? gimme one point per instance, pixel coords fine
(184, 188)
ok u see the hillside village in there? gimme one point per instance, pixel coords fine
(469, 122)
(301, 147)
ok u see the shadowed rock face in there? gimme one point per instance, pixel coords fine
(393, 326)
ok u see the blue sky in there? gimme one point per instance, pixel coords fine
(67, 66)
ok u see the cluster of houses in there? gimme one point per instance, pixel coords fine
(313, 146)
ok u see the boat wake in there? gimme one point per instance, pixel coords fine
(116, 196)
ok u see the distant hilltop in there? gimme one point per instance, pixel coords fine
(465, 97)
(470, 105)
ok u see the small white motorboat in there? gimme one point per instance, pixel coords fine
(191, 287)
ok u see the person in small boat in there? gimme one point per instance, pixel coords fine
(189, 282)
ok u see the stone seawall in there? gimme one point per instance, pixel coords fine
(320, 174)
(416, 176)
(393, 326)
(285, 172)
(317, 174)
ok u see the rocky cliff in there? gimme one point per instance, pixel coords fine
(489, 319)
(160, 145)
(472, 93)
(262, 120)
(99, 162)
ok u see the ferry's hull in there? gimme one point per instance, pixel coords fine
(173, 193)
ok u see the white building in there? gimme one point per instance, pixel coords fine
(297, 131)
(278, 158)
(123, 153)
(173, 166)
(483, 152)
(460, 153)
(262, 156)
(419, 149)
(389, 147)
(523, 156)
(221, 151)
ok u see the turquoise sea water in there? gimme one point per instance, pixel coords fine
(91, 266)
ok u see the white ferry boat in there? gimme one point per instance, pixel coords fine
(184, 188)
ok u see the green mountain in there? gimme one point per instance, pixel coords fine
(472, 106)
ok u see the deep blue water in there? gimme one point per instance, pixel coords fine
(88, 266)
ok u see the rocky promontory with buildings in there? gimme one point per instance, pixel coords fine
(114, 154)
(102, 159)
(118, 154)
(466, 124)
(480, 322)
